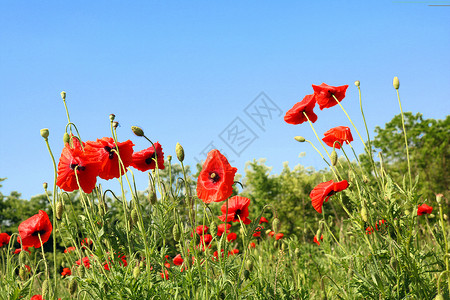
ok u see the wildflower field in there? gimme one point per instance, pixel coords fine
(366, 227)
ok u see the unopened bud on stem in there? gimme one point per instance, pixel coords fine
(357, 83)
(180, 152)
(44, 133)
(333, 157)
(112, 117)
(137, 130)
(396, 83)
(63, 95)
(300, 139)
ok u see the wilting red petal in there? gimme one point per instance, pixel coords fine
(316, 240)
(263, 220)
(231, 237)
(424, 209)
(324, 94)
(296, 114)
(341, 134)
(34, 226)
(323, 191)
(144, 159)
(215, 181)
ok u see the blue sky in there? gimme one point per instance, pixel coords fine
(187, 70)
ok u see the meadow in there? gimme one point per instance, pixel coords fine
(369, 226)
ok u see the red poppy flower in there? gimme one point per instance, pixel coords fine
(37, 297)
(105, 151)
(221, 228)
(216, 253)
(341, 134)
(25, 248)
(317, 241)
(205, 241)
(31, 228)
(271, 234)
(233, 252)
(252, 245)
(424, 209)
(4, 239)
(215, 181)
(165, 275)
(369, 230)
(87, 171)
(378, 225)
(231, 237)
(70, 249)
(295, 114)
(237, 209)
(66, 272)
(144, 160)
(86, 242)
(324, 94)
(178, 260)
(263, 220)
(279, 236)
(201, 229)
(257, 234)
(86, 262)
(323, 191)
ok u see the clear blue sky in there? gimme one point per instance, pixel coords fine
(185, 70)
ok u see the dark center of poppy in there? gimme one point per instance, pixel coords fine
(110, 151)
(331, 193)
(73, 166)
(39, 232)
(236, 215)
(214, 177)
(149, 160)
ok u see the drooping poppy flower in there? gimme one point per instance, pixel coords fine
(105, 151)
(165, 275)
(215, 181)
(221, 229)
(237, 209)
(279, 236)
(25, 248)
(271, 233)
(323, 191)
(4, 239)
(144, 160)
(201, 229)
(424, 209)
(324, 94)
(231, 237)
(263, 220)
(341, 134)
(87, 166)
(69, 249)
(296, 115)
(167, 265)
(32, 228)
(86, 262)
(178, 260)
(66, 272)
(316, 240)
(252, 245)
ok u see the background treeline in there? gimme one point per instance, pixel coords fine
(288, 192)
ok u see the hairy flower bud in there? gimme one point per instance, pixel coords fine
(276, 225)
(180, 152)
(333, 157)
(81, 271)
(137, 130)
(22, 257)
(357, 83)
(63, 95)
(134, 216)
(136, 272)
(66, 138)
(396, 83)
(364, 213)
(213, 228)
(73, 285)
(249, 264)
(152, 197)
(300, 139)
(23, 273)
(176, 233)
(59, 209)
(45, 288)
(246, 274)
(44, 133)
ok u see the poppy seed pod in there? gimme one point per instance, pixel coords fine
(333, 157)
(439, 198)
(299, 139)
(137, 130)
(357, 83)
(115, 124)
(45, 185)
(59, 209)
(169, 158)
(63, 95)
(276, 225)
(73, 285)
(45, 133)
(112, 117)
(180, 152)
(396, 83)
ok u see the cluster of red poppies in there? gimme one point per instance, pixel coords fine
(80, 163)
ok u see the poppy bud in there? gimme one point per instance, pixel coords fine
(396, 83)
(134, 216)
(23, 273)
(152, 197)
(213, 228)
(276, 225)
(300, 139)
(445, 217)
(246, 274)
(44, 133)
(169, 158)
(80, 271)
(73, 285)
(59, 209)
(22, 257)
(112, 117)
(136, 272)
(439, 198)
(45, 185)
(242, 231)
(275, 244)
(66, 138)
(180, 152)
(63, 95)
(357, 83)
(44, 288)
(137, 130)
(431, 216)
(115, 124)
(176, 233)
(283, 246)
(333, 157)
(319, 231)
(364, 213)
(249, 264)
(268, 231)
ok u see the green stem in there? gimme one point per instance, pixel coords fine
(406, 139)
(67, 112)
